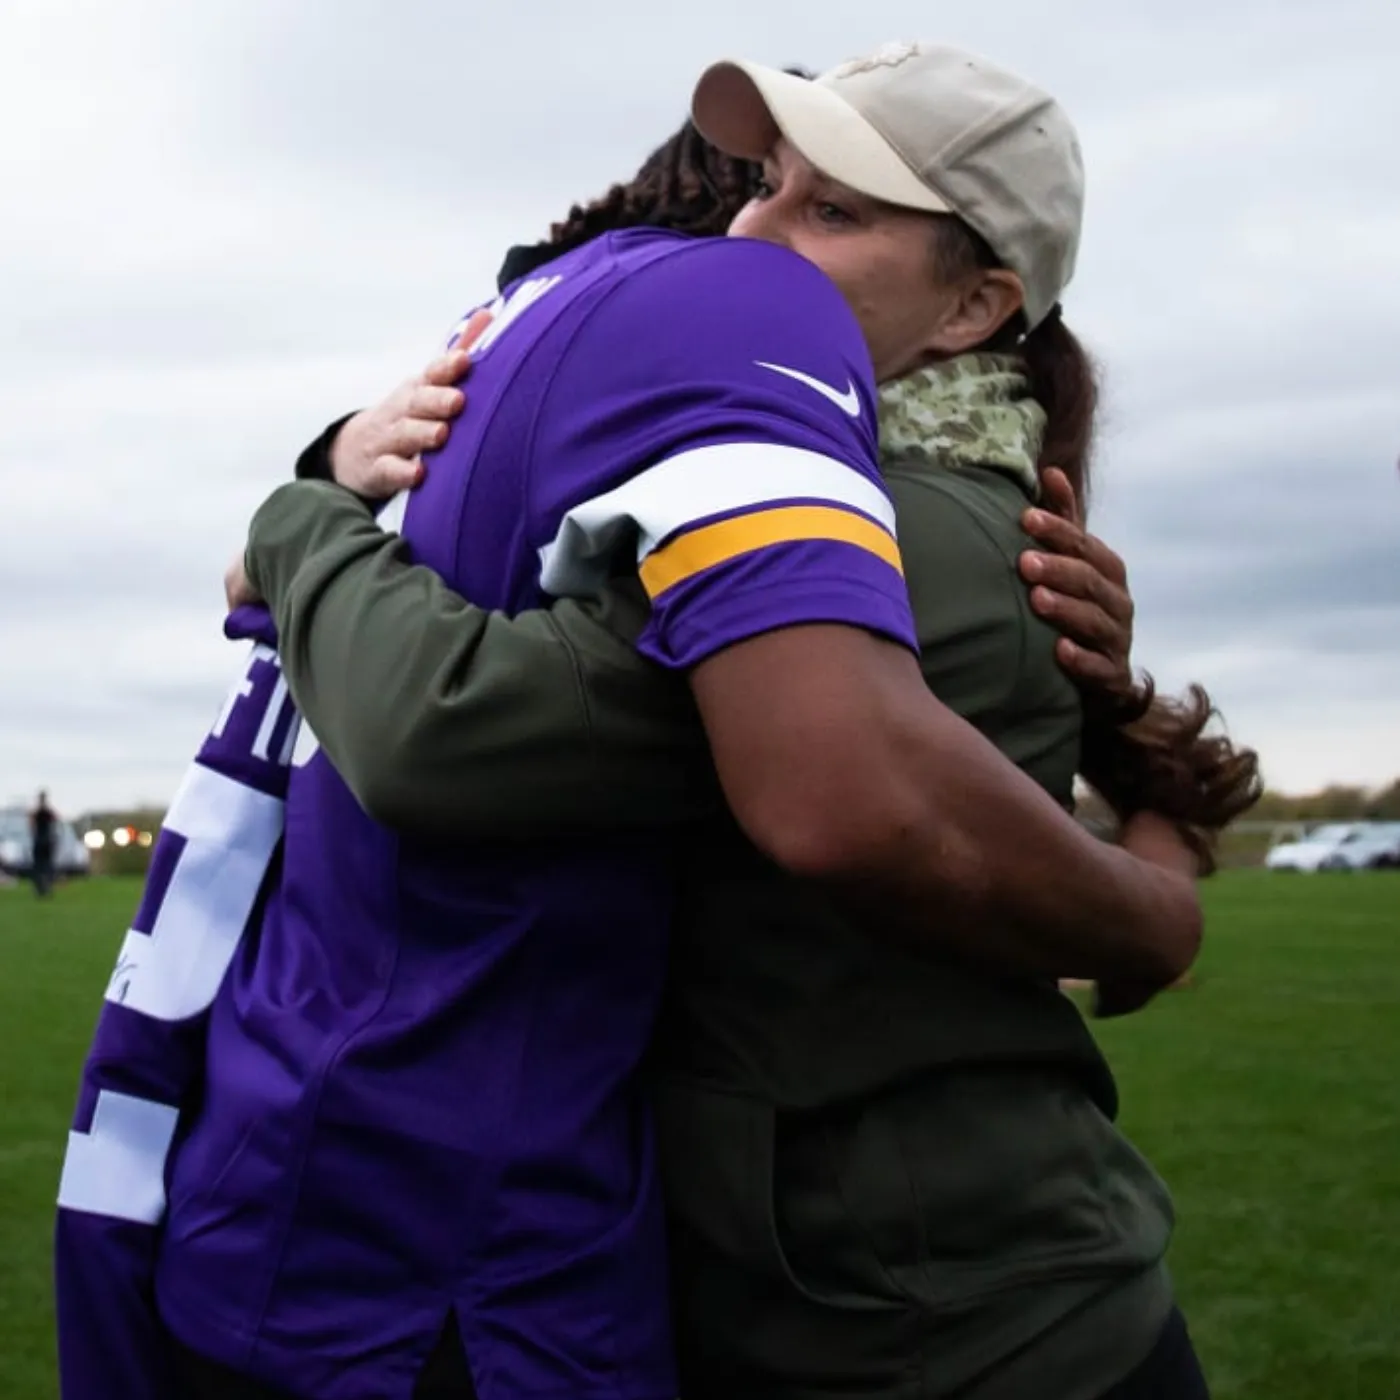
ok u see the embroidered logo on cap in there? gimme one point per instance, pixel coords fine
(886, 56)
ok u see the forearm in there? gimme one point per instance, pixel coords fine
(996, 867)
(452, 720)
(873, 786)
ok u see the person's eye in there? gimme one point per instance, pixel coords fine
(834, 214)
(763, 188)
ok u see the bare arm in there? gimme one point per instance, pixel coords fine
(842, 767)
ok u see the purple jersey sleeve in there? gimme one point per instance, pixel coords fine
(724, 398)
(146, 1065)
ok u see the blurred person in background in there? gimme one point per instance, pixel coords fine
(43, 841)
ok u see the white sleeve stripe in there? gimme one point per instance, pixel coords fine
(391, 518)
(691, 487)
(117, 1167)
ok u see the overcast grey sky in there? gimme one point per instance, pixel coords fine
(223, 223)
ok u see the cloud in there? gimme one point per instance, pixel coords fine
(227, 223)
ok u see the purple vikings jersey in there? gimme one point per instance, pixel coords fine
(418, 1096)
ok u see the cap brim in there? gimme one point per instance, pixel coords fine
(743, 108)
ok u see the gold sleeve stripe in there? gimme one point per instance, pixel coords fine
(702, 549)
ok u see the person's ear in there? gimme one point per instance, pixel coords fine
(985, 303)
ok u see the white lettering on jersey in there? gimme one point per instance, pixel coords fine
(277, 707)
(275, 711)
(230, 832)
(504, 312)
(242, 691)
(117, 1168)
(305, 746)
(848, 402)
(391, 518)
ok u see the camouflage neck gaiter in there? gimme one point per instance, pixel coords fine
(972, 411)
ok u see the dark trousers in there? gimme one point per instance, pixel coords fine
(444, 1376)
(42, 872)
(1171, 1371)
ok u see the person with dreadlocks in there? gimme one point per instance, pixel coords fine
(417, 1159)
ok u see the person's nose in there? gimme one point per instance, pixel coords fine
(766, 220)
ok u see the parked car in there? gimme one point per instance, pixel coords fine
(70, 856)
(1377, 847)
(1340, 846)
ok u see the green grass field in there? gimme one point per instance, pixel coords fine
(1268, 1096)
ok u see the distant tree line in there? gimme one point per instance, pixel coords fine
(1333, 804)
(1336, 803)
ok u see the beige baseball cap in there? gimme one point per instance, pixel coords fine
(929, 127)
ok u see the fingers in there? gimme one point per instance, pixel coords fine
(1055, 533)
(422, 422)
(434, 403)
(388, 475)
(1063, 537)
(1092, 669)
(1058, 496)
(1094, 648)
(410, 438)
(1095, 644)
(454, 366)
(379, 453)
(1079, 586)
(449, 368)
(1081, 621)
(1077, 579)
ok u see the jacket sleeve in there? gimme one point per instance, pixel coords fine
(448, 719)
(314, 463)
(145, 1069)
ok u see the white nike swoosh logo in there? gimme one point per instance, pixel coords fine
(848, 402)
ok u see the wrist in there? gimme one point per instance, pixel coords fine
(316, 462)
(1162, 841)
(1114, 767)
(339, 442)
(1113, 704)
(1167, 877)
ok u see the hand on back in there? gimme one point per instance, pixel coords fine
(379, 452)
(1080, 587)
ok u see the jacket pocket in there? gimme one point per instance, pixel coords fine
(727, 1182)
(976, 1184)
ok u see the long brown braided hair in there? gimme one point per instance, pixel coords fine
(1142, 751)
